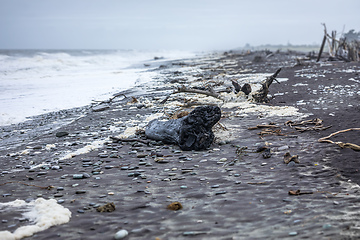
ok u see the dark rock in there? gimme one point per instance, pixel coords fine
(266, 153)
(62, 134)
(192, 132)
(236, 85)
(246, 89)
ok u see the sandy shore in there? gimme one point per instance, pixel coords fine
(232, 190)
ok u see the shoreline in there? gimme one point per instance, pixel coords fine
(228, 191)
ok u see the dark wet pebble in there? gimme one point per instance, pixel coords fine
(80, 191)
(62, 134)
(220, 192)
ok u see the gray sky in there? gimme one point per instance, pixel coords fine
(168, 24)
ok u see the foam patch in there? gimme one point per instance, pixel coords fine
(42, 213)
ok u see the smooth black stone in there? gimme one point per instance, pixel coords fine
(62, 134)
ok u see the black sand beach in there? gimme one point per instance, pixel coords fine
(233, 190)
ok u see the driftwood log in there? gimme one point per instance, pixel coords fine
(261, 95)
(192, 132)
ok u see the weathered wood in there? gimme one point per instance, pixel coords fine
(261, 95)
(192, 90)
(321, 48)
(192, 132)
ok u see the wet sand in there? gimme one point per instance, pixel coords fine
(229, 191)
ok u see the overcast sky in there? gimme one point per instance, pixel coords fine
(168, 24)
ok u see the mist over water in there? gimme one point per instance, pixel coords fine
(34, 82)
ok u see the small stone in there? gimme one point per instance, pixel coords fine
(293, 233)
(61, 134)
(60, 201)
(336, 203)
(78, 176)
(80, 191)
(220, 192)
(326, 226)
(283, 148)
(297, 221)
(183, 187)
(215, 186)
(121, 234)
(86, 175)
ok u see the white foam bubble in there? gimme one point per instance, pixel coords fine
(42, 213)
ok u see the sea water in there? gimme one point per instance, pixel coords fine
(34, 82)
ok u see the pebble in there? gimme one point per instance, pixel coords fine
(121, 234)
(215, 186)
(78, 176)
(183, 187)
(293, 233)
(221, 192)
(80, 191)
(297, 221)
(62, 134)
(326, 226)
(86, 175)
(291, 164)
(283, 148)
